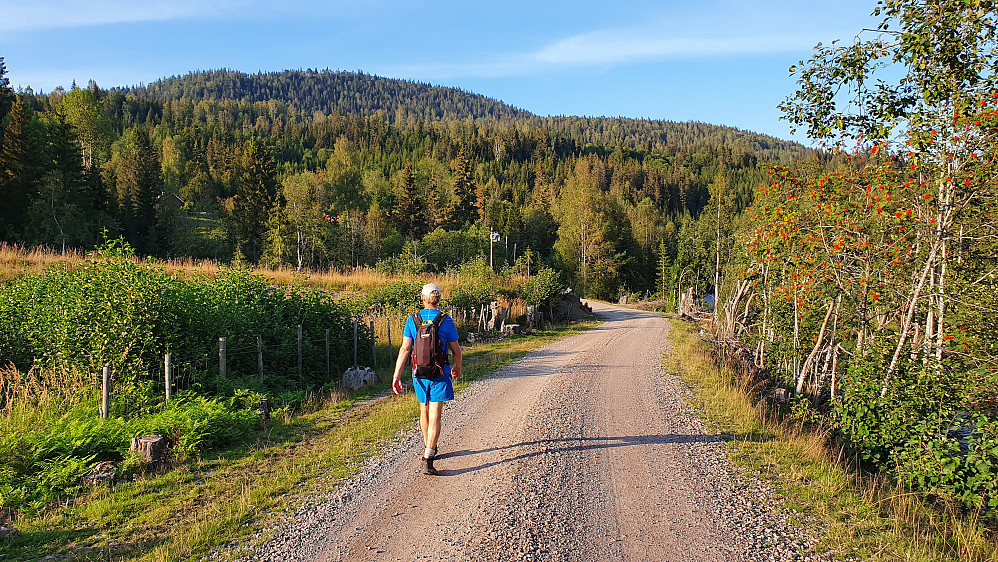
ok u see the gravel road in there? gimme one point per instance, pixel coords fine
(583, 450)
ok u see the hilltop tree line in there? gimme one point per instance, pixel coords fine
(285, 183)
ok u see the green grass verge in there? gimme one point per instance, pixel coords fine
(854, 515)
(185, 512)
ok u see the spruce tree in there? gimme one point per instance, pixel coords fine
(18, 171)
(138, 183)
(408, 213)
(435, 214)
(255, 199)
(6, 93)
(462, 208)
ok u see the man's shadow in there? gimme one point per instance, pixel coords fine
(572, 444)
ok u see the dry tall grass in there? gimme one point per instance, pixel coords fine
(17, 260)
(25, 398)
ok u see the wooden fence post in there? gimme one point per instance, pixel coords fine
(327, 354)
(168, 375)
(374, 350)
(354, 344)
(259, 355)
(105, 391)
(221, 357)
(388, 325)
(300, 378)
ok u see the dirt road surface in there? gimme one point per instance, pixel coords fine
(584, 450)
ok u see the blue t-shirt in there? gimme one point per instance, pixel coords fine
(448, 330)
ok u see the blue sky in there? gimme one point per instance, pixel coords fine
(717, 61)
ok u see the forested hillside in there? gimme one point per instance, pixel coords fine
(330, 92)
(321, 169)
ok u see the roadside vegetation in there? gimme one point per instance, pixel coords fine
(864, 290)
(209, 500)
(61, 325)
(855, 514)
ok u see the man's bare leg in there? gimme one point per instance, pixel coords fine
(432, 432)
(429, 423)
(424, 421)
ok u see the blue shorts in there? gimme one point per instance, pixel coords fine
(441, 389)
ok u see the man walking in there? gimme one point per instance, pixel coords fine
(432, 392)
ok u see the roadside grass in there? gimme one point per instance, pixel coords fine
(854, 515)
(188, 510)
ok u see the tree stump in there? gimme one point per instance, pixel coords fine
(152, 447)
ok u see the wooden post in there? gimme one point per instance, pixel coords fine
(299, 353)
(354, 344)
(221, 357)
(259, 355)
(105, 392)
(374, 350)
(388, 325)
(168, 375)
(327, 354)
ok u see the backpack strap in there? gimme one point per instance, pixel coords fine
(439, 319)
(417, 320)
(442, 356)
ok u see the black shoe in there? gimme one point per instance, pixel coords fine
(427, 465)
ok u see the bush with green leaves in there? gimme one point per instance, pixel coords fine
(954, 458)
(113, 310)
(445, 249)
(397, 296)
(406, 263)
(543, 287)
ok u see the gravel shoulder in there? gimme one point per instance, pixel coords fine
(583, 450)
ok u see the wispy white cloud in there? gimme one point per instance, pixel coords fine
(34, 15)
(624, 46)
(20, 15)
(608, 48)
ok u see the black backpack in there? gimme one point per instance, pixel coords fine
(428, 355)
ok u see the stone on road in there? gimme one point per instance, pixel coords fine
(583, 450)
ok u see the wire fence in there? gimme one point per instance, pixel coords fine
(300, 358)
(296, 362)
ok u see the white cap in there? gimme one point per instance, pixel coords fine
(429, 288)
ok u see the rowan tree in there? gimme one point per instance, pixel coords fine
(875, 277)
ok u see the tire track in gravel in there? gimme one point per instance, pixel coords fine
(583, 450)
